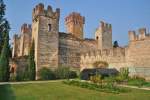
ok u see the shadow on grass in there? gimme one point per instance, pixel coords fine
(6, 92)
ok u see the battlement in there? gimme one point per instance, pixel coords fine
(39, 10)
(141, 34)
(15, 36)
(114, 52)
(75, 18)
(26, 28)
(105, 27)
(75, 24)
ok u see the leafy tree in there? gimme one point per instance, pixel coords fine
(31, 67)
(115, 45)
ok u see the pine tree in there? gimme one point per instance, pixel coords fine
(4, 44)
(31, 67)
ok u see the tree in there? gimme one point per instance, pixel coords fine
(115, 44)
(4, 25)
(31, 67)
(4, 61)
(4, 44)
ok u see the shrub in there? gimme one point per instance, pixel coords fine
(46, 74)
(136, 81)
(65, 73)
(124, 73)
(22, 74)
(96, 78)
(72, 74)
(97, 87)
(110, 82)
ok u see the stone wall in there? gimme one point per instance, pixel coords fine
(71, 48)
(114, 57)
(18, 64)
(139, 53)
(22, 41)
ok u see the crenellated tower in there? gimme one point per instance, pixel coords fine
(103, 36)
(75, 24)
(141, 35)
(45, 33)
(16, 44)
(25, 39)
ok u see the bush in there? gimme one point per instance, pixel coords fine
(136, 81)
(96, 78)
(97, 87)
(46, 74)
(65, 73)
(110, 82)
(72, 74)
(124, 73)
(22, 74)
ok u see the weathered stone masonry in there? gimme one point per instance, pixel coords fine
(54, 49)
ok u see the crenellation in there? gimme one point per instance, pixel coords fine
(142, 33)
(75, 24)
(39, 10)
(54, 48)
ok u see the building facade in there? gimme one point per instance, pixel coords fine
(54, 48)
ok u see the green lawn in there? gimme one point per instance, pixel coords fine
(60, 91)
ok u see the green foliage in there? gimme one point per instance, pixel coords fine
(4, 25)
(4, 61)
(124, 73)
(4, 44)
(31, 67)
(110, 82)
(100, 64)
(115, 45)
(72, 74)
(46, 74)
(96, 78)
(62, 72)
(22, 75)
(137, 81)
(97, 87)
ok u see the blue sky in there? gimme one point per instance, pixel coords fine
(124, 15)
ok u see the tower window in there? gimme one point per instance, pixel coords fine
(97, 38)
(49, 27)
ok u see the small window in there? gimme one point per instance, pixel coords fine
(49, 27)
(97, 38)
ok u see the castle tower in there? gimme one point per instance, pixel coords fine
(25, 39)
(132, 35)
(103, 36)
(75, 24)
(142, 33)
(45, 28)
(16, 43)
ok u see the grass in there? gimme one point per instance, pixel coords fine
(60, 91)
